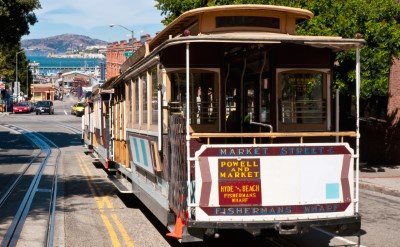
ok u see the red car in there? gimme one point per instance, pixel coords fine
(22, 107)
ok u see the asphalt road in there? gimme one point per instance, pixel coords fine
(15, 153)
(91, 212)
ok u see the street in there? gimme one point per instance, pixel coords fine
(90, 212)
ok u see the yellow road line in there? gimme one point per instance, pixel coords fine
(106, 221)
(122, 230)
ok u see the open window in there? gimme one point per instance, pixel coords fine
(204, 98)
(303, 104)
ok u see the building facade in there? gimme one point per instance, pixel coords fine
(43, 92)
(118, 52)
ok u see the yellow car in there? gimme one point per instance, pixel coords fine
(78, 109)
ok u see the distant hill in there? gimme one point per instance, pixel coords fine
(59, 44)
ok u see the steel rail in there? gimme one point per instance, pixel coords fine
(16, 226)
(52, 209)
(22, 173)
(72, 129)
(16, 181)
(13, 232)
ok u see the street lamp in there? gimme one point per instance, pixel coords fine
(132, 32)
(27, 82)
(16, 72)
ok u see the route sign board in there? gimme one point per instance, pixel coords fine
(128, 53)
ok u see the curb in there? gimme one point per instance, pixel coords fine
(379, 188)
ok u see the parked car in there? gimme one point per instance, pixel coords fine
(78, 109)
(44, 106)
(22, 107)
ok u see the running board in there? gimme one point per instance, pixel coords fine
(123, 185)
(93, 156)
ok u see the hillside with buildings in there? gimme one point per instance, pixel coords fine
(61, 44)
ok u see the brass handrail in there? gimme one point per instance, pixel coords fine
(274, 135)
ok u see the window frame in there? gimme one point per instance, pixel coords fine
(151, 89)
(216, 127)
(326, 94)
(136, 103)
(143, 125)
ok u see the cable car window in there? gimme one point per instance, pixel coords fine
(154, 96)
(136, 88)
(302, 99)
(129, 87)
(203, 97)
(143, 79)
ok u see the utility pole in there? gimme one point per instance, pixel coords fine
(27, 82)
(16, 73)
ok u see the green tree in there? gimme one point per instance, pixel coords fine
(378, 23)
(376, 20)
(15, 18)
(7, 66)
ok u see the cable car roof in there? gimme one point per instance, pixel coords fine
(332, 42)
(190, 17)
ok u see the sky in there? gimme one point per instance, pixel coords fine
(93, 18)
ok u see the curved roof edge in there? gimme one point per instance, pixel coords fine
(296, 11)
(191, 15)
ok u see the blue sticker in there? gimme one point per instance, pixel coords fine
(332, 191)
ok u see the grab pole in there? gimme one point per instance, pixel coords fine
(358, 81)
(187, 127)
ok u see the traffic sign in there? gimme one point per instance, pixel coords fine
(128, 53)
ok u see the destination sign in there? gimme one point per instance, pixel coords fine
(238, 169)
(239, 181)
(244, 192)
(293, 150)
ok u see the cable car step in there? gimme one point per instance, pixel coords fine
(121, 184)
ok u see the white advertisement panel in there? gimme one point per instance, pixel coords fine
(274, 181)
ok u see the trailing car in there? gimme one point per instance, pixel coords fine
(22, 107)
(44, 106)
(78, 109)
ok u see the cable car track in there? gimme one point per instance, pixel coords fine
(38, 164)
(66, 126)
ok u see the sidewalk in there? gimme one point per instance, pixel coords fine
(383, 179)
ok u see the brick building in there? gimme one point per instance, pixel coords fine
(118, 52)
